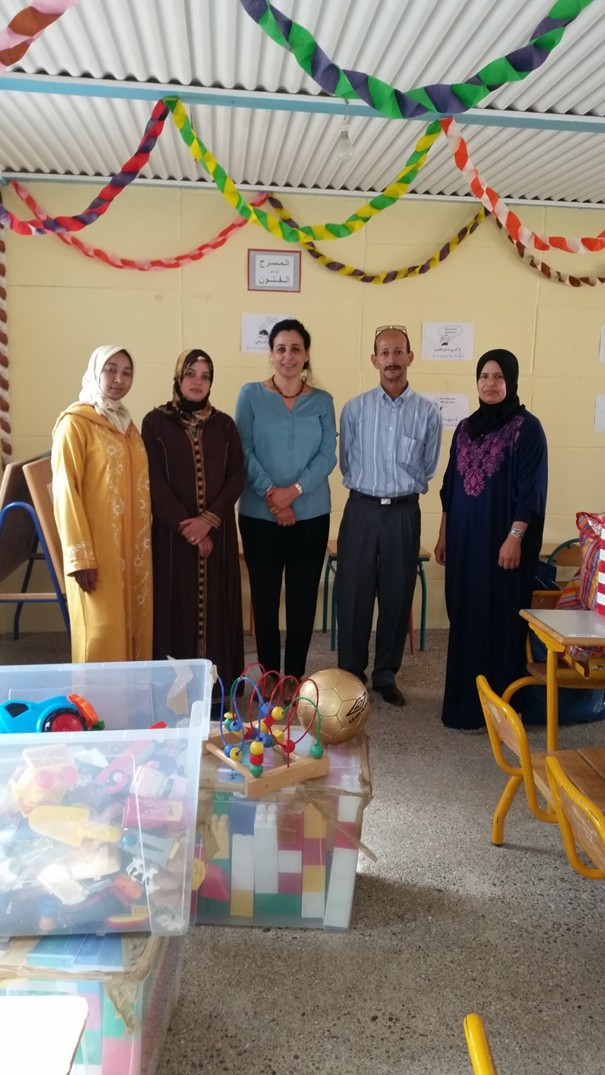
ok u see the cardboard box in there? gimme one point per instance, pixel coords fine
(289, 859)
(97, 827)
(130, 1006)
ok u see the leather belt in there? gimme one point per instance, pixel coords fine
(384, 500)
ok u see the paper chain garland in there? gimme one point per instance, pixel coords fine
(439, 98)
(389, 196)
(144, 265)
(101, 203)
(26, 26)
(279, 228)
(392, 274)
(283, 226)
(509, 220)
(555, 275)
(140, 264)
(5, 426)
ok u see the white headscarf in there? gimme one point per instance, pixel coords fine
(113, 410)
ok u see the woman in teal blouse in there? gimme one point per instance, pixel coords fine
(288, 433)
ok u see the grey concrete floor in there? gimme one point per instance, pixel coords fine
(443, 924)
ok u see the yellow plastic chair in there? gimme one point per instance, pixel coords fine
(478, 1046)
(506, 730)
(580, 820)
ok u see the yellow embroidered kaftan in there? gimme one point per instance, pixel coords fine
(102, 509)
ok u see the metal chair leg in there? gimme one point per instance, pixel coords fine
(422, 576)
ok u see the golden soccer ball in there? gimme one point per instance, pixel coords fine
(342, 700)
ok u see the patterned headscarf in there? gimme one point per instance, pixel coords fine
(113, 410)
(187, 407)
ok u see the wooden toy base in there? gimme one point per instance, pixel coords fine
(293, 769)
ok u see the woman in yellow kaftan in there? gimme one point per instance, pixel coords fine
(102, 509)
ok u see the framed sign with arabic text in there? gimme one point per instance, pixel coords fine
(274, 270)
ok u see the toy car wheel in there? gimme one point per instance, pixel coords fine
(64, 720)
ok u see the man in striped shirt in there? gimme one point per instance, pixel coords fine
(390, 440)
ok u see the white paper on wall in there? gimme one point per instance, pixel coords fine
(599, 415)
(256, 329)
(602, 345)
(453, 408)
(447, 341)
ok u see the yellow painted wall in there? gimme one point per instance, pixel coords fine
(61, 305)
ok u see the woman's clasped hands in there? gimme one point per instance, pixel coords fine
(279, 503)
(196, 532)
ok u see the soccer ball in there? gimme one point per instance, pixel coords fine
(343, 703)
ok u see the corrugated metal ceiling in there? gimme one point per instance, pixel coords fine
(136, 48)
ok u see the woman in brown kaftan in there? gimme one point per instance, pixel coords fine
(196, 475)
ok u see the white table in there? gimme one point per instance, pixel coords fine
(558, 628)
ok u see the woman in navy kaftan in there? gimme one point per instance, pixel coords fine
(493, 499)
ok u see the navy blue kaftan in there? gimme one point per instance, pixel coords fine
(489, 482)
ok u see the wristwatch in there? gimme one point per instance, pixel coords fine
(299, 488)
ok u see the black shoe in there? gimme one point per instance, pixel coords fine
(391, 694)
(361, 676)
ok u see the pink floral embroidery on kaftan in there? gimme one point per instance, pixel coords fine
(480, 459)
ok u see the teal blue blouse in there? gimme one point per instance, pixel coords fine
(282, 447)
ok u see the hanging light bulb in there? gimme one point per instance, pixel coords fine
(344, 148)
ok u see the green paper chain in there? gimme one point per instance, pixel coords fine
(389, 196)
(440, 98)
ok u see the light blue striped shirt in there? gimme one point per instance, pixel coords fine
(389, 447)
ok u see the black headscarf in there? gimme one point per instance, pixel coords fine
(491, 416)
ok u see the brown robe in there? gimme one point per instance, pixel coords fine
(197, 601)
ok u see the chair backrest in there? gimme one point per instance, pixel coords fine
(19, 538)
(503, 725)
(580, 820)
(505, 729)
(478, 1046)
(39, 476)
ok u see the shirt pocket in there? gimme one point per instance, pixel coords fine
(409, 453)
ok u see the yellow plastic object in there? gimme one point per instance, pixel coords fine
(478, 1046)
(580, 820)
(506, 730)
(71, 825)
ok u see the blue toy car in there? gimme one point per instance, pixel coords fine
(62, 713)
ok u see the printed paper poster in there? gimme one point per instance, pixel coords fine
(447, 341)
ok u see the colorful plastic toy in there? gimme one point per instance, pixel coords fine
(62, 713)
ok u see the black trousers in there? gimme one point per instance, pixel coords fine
(377, 559)
(298, 552)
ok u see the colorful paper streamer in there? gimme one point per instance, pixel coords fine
(411, 104)
(6, 447)
(26, 26)
(140, 264)
(105, 197)
(390, 275)
(547, 271)
(389, 196)
(509, 220)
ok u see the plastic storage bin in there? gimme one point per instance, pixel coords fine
(289, 859)
(97, 828)
(131, 985)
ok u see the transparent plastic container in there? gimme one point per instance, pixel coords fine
(97, 827)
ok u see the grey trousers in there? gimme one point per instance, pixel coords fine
(378, 549)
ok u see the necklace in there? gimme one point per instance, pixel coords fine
(283, 394)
